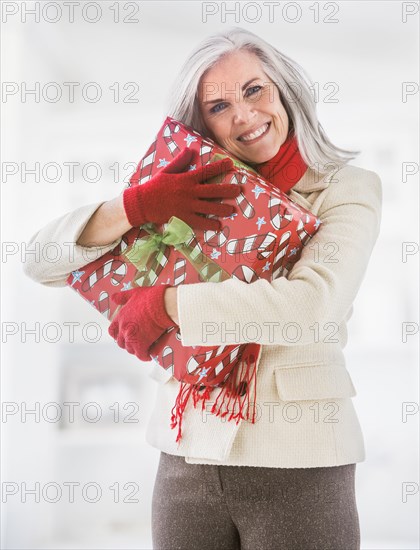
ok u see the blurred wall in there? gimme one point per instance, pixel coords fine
(362, 56)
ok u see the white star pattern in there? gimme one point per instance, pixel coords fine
(192, 167)
(257, 191)
(260, 222)
(316, 224)
(215, 254)
(126, 286)
(231, 217)
(162, 162)
(77, 276)
(190, 139)
(293, 252)
(203, 373)
(267, 266)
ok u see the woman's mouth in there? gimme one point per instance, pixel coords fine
(256, 135)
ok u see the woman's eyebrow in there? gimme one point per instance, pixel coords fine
(243, 88)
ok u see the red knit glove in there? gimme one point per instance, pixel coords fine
(172, 192)
(141, 320)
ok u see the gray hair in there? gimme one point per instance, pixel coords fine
(290, 79)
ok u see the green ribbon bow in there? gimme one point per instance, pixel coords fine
(146, 253)
(176, 234)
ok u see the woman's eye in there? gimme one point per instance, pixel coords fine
(214, 109)
(254, 88)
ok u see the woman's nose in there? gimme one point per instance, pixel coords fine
(243, 113)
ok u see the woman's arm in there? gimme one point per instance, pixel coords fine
(315, 298)
(75, 237)
(107, 223)
(54, 251)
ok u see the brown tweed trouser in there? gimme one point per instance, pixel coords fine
(209, 507)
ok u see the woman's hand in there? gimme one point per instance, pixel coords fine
(172, 192)
(141, 320)
(175, 197)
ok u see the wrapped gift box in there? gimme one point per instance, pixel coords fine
(264, 239)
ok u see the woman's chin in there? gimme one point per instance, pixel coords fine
(258, 157)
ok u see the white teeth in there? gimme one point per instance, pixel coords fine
(256, 134)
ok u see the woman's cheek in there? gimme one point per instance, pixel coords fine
(222, 137)
(230, 144)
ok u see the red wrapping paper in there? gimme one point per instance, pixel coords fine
(263, 240)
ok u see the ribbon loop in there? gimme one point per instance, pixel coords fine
(179, 235)
(176, 234)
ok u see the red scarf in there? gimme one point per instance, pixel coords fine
(286, 168)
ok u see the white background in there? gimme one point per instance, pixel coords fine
(369, 53)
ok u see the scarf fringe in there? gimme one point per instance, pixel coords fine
(235, 390)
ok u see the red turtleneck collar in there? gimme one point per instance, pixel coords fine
(286, 168)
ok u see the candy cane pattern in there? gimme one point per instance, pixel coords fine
(147, 164)
(216, 238)
(149, 277)
(202, 360)
(205, 153)
(253, 242)
(211, 273)
(215, 352)
(167, 136)
(246, 207)
(168, 359)
(199, 360)
(279, 220)
(180, 271)
(303, 235)
(114, 268)
(280, 255)
(267, 251)
(226, 361)
(121, 246)
(267, 247)
(196, 252)
(245, 273)
(196, 247)
(234, 179)
(104, 306)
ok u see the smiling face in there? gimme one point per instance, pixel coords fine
(241, 108)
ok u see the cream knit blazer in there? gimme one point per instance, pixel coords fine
(305, 414)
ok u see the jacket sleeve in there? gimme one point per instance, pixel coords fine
(52, 253)
(317, 294)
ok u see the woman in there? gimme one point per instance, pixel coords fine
(293, 485)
